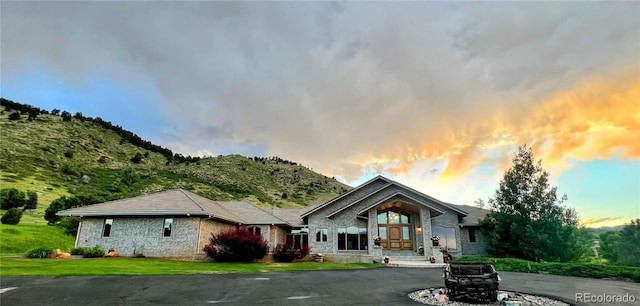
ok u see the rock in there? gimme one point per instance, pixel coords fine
(442, 298)
(503, 296)
(113, 254)
(424, 293)
(57, 254)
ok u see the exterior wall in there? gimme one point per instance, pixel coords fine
(143, 235)
(449, 219)
(477, 248)
(207, 227)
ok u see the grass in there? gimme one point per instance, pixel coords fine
(18, 239)
(151, 266)
(580, 269)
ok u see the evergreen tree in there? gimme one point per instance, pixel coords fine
(527, 220)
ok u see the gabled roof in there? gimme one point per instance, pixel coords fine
(317, 207)
(177, 202)
(404, 190)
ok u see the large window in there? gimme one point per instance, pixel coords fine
(298, 238)
(352, 238)
(447, 237)
(168, 227)
(106, 229)
(321, 235)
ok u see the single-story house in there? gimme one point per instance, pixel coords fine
(178, 223)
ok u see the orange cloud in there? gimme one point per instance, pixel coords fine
(596, 118)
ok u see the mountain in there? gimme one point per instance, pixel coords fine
(599, 230)
(57, 153)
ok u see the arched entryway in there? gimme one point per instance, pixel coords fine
(395, 228)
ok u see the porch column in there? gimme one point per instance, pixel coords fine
(372, 228)
(425, 222)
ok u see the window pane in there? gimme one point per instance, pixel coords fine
(382, 218)
(451, 238)
(107, 227)
(318, 235)
(382, 232)
(364, 239)
(405, 233)
(405, 218)
(342, 238)
(168, 224)
(324, 234)
(352, 238)
(394, 217)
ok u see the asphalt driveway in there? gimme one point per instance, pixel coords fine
(388, 286)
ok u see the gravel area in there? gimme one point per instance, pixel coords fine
(429, 297)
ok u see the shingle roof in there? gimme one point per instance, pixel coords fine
(474, 215)
(250, 213)
(290, 215)
(177, 202)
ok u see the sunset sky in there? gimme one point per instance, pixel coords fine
(435, 95)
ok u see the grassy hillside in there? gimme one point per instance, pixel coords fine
(80, 157)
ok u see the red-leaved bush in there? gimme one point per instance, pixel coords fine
(237, 246)
(287, 253)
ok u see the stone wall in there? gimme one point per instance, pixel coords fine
(469, 248)
(143, 235)
(207, 227)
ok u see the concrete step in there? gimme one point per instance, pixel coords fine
(407, 258)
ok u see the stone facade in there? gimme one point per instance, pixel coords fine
(142, 235)
(477, 248)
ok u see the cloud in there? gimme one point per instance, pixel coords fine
(348, 88)
(598, 222)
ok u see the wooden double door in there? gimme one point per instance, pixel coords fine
(396, 237)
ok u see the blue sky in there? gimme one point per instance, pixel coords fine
(437, 95)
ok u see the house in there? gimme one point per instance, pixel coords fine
(178, 223)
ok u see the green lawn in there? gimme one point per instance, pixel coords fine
(152, 266)
(18, 239)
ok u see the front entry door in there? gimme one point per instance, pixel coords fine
(395, 237)
(395, 229)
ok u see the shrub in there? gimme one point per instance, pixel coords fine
(77, 251)
(12, 216)
(39, 253)
(287, 253)
(95, 251)
(236, 246)
(11, 197)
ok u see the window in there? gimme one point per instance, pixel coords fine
(255, 229)
(106, 231)
(394, 216)
(447, 237)
(298, 238)
(472, 235)
(352, 238)
(168, 224)
(321, 235)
